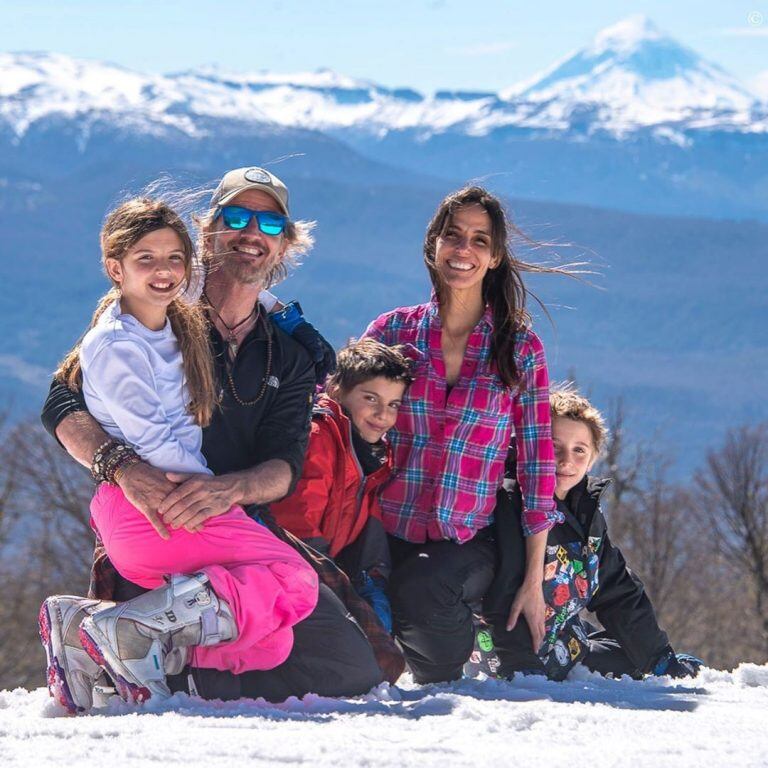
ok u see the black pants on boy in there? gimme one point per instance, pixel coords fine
(331, 656)
(432, 588)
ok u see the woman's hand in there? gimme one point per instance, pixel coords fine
(529, 602)
(146, 488)
(197, 498)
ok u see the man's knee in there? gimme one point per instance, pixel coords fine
(332, 647)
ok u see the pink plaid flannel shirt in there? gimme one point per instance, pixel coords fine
(449, 452)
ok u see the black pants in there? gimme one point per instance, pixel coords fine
(607, 657)
(515, 651)
(331, 656)
(432, 589)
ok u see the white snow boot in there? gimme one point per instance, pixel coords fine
(136, 641)
(71, 674)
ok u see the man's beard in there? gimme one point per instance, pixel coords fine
(245, 271)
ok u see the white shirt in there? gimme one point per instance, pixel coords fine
(134, 386)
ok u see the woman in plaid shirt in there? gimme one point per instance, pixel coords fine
(481, 382)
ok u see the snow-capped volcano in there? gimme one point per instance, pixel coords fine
(637, 75)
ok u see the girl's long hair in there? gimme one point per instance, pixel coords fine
(503, 287)
(122, 229)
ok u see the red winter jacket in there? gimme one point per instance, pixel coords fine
(333, 499)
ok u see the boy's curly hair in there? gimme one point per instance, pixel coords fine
(366, 359)
(566, 402)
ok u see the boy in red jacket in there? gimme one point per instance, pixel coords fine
(334, 507)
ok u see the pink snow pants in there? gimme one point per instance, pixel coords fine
(266, 583)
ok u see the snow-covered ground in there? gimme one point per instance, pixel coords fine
(719, 719)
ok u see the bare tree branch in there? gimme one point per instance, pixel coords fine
(734, 493)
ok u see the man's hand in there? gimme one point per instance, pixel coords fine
(197, 498)
(529, 601)
(146, 487)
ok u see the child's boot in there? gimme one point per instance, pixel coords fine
(71, 674)
(135, 641)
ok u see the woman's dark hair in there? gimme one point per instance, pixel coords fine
(503, 288)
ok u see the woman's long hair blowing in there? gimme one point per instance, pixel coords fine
(122, 229)
(503, 286)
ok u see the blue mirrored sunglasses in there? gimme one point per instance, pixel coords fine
(270, 223)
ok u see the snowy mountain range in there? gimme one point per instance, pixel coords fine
(633, 121)
(631, 77)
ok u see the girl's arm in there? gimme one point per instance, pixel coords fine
(120, 374)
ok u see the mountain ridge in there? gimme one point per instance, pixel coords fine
(631, 77)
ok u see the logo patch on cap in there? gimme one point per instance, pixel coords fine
(257, 175)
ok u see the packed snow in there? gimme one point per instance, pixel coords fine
(718, 719)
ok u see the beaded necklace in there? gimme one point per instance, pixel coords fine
(228, 366)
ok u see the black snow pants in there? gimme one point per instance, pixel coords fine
(331, 656)
(432, 589)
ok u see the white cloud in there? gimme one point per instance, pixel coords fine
(17, 368)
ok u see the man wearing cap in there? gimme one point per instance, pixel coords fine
(256, 441)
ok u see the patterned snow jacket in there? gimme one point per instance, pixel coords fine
(583, 569)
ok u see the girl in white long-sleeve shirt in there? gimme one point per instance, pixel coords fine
(134, 386)
(234, 589)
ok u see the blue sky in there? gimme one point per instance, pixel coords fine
(426, 44)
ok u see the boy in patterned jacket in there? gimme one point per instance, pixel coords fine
(334, 507)
(582, 569)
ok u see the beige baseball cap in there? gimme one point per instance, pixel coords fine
(237, 181)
